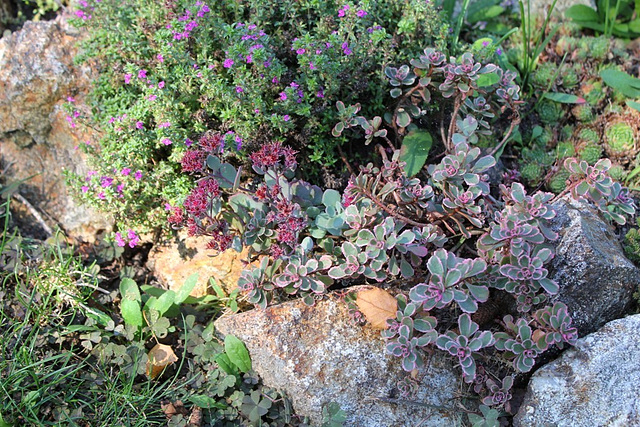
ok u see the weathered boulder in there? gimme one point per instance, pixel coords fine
(173, 260)
(597, 383)
(36, 76)
(596, 280)
(317, 355)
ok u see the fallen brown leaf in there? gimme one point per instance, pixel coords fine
(377, 305)
(160, 357)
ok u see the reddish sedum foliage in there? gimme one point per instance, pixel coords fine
(211, 142)
(269, 156)
(198, 201)
(193, 161)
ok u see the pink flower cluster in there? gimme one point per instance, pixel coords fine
(132, 238)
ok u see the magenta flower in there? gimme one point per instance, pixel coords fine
(161, 85)
(228, 63)
(139, 125)
(188, 142)
(133, 238)
(138, 175)
(239, 89)
(166, 141)
(152, 97)
(70, 99)
(160, 58)
(125, 171)
(84, 188)
(101, 195)
(286, 117)
(301, 51)
(106, 181)
(283, 96)
(361, 13)
(142, 74)
(119, 240)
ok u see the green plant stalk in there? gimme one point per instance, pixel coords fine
(555, 76)
(530, 59)
(614, 18)
(461, 16)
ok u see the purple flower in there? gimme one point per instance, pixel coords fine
(138, 175)
(84, 188)
(133, 238)
(119, 240)
(125, 171)
(106, 181)
(498, 51)
(161, 85)
(239, 89)
(152, 97)
(70, 99)
(139, 125)
(286, 117)
(119, 188)
(320, 93)
(301, 51)
(127, 78)
(166, 141)
(283, 96)
(101, 195)
(485, 43)
(142, 74)
(275, 81)
(238, 143)
(361, 13)
(228, 63)
(160, 58)
(249, 59)
(188, 142)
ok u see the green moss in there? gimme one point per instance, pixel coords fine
(591, 153)
(619, 138)
(549, 112)
(559, 181)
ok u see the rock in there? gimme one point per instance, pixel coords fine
(596, 280)
(36, 76)
(594, 384)
(175, 259)
(317, 355)
(541, 6)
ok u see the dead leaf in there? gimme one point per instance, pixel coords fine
(160, 357)
(377, 305)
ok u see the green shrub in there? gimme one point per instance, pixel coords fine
(255, 71)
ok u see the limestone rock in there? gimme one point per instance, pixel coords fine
(36, 142)
(596, 280)
(594, 384)
(175, 259)
(317, 356)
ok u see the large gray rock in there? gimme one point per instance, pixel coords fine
(317, 355)
(36, 76)
(596, 280)
(597, 383)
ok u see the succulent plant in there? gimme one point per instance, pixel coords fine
(598, 47)
(463, 345)
(593, 92)
(545, 138)
(566, 44)
(570, 77)
(565, 149)
(544, 74)
(588, 135)
(583, 113)
(448, 283)
(558, 181)
(566, 132)
(620, 139)
(618, 172)
(522, 348)
(532, 173)
(550, 112)
(556, 323)
(590, 153)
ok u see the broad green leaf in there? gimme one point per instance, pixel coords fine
(237, 352)
(161, 304)
(565, 98)
(485, 14)
(186, 289)
(206, 402)
(331, 198)
(487, 79)
(225, 364)
(415, 150)
(624, 83)
(129, 290)
(131, 312)
(3, 423)
(580, 12)
(633, 104)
